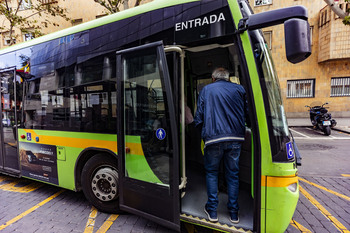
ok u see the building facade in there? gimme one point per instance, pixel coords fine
(325, 75)
(78, 11)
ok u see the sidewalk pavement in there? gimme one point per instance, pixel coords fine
(343, 124)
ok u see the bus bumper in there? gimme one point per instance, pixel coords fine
(279, 199)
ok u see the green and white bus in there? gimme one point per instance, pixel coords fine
(97, 107)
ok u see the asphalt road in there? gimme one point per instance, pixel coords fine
(324, 203)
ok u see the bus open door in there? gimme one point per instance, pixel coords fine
(147, 142)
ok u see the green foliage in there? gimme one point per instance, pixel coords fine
(113, 6)
(28, 23)
(346, 20)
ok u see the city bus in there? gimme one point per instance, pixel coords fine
(100, 108)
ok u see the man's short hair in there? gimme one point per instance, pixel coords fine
(221, 73)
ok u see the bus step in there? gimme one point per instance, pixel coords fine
(216, 226)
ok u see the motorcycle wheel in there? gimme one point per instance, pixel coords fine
(327, 130)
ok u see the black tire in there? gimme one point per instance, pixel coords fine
(99, 180)
(327, 130)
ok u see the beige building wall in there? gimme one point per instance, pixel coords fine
(330, 58)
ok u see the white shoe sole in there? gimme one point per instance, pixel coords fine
(210, 219)
(235, 222)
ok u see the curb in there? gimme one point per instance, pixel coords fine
(347, 131)
(342, 130)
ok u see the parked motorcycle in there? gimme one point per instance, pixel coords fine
(321, 118)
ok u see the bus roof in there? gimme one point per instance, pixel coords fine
(154, 5)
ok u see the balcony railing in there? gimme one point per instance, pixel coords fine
(47, 2)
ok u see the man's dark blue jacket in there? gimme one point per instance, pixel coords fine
(221, 109)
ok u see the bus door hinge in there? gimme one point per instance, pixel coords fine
(242, 26)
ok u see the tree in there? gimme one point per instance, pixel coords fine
(346, 19)
(343, 15)
(33, 19)
(113, 6)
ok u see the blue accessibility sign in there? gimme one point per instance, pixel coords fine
(29, 136)
(160, 133)
(290, 151)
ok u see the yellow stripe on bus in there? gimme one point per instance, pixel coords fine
(135, 148)
(278, 181)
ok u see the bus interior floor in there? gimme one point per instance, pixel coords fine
(196, 196)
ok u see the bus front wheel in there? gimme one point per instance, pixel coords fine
(99, 180)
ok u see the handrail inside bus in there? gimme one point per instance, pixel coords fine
(182, 119)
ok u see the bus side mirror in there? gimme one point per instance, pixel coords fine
(296, 29)
(297, 40)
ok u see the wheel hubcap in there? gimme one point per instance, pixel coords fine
(105, 184)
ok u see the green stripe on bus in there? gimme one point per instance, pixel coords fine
(138, 168)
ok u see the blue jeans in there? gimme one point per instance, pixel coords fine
(213, 154)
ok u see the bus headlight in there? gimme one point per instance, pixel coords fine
(293, 187)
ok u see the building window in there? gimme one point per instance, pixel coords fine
(48, 2)
(268, 38)
(262, 2)
(321, 19)
(76, 21)
(301, 88)
(340, 86)
(7, 39)
(100, 16)
(28, 36)
(25, 5)
(311, 33)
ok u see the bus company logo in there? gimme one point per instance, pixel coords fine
(199, 22)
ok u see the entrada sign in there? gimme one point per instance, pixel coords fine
(198, 22)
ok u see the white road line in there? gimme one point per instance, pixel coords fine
(324, 138)
(299, 133)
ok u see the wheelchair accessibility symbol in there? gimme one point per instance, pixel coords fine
(290, 151)
(160, 134)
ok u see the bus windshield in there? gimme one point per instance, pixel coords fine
(279, 133)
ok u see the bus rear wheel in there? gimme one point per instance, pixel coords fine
(100, 180)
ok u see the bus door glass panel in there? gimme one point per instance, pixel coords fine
(11, 105)
(150, 161)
